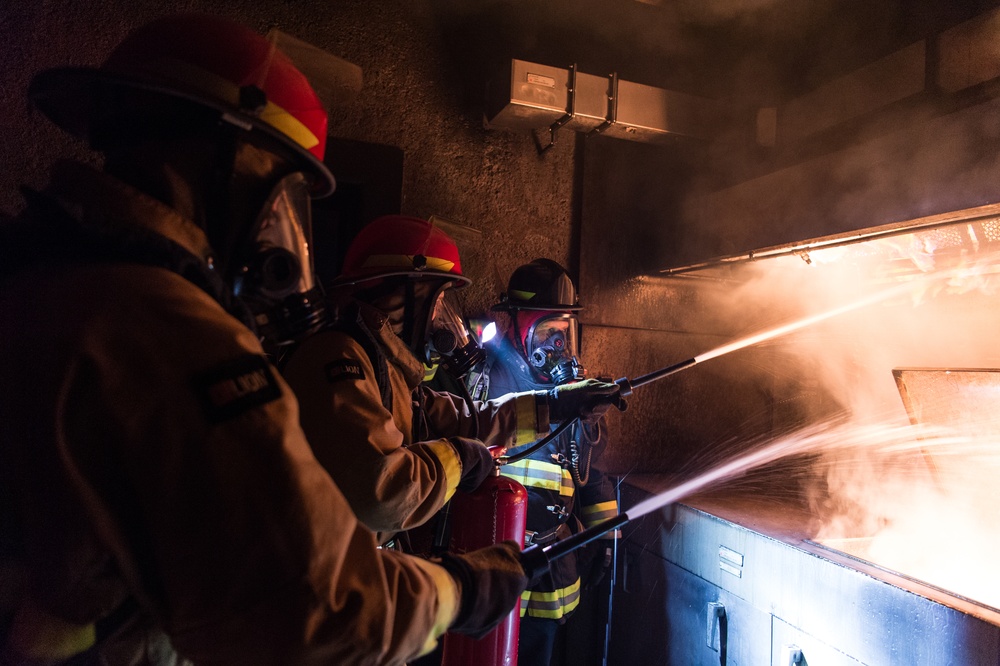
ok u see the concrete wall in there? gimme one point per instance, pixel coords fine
(910, 136)
(421, 94)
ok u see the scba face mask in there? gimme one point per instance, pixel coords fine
(551, 345)
(450, 344)
(276, 280)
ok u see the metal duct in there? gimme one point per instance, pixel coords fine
(532, 96)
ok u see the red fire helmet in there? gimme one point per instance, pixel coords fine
(209, 61)
(400, 245)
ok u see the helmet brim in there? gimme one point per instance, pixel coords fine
(419, 275)
(68, 97)
(508, 307)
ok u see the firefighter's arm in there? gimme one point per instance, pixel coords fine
(187, 453)
(510, 420)
(359, 442)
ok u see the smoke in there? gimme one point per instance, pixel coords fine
(919, 309)
(927, 512)
(921, 505)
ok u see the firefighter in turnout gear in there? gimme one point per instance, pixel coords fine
(161, 504)
(565, 491)
(397, 449)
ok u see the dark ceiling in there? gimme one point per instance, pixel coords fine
(755, 52)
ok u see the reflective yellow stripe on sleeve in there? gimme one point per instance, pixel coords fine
(568, 487)
(526, 413)
(551, 605)
(448, 600)
(451, 464)
(543, 475)
(598, 513)
(40, 636)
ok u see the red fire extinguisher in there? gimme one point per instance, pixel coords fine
(494, 512)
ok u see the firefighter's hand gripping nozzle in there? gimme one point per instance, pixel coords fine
(587, 400)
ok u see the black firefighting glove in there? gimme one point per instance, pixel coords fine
(587, 400)
(491, 581)
(477, 462)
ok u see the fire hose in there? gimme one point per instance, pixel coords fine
(506, 501)
(537, 559)
(626, 387)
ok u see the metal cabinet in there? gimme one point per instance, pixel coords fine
(697, 589)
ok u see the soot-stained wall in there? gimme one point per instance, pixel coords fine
(421, 94)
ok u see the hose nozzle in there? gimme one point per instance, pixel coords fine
(624, 386)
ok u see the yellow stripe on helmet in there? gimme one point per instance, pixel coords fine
(289, 125)
(172, 70)
(406, 261)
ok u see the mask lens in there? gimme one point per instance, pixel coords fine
(450, 341)
(448, 324)
(554, 337)
(283, 234)
(277, 281)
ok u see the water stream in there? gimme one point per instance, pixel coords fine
(874, 441)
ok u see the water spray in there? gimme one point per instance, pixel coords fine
(628, 385)
(536, 559)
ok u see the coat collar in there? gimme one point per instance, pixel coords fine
(83, 190)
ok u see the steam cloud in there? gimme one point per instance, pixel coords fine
(927, 508)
